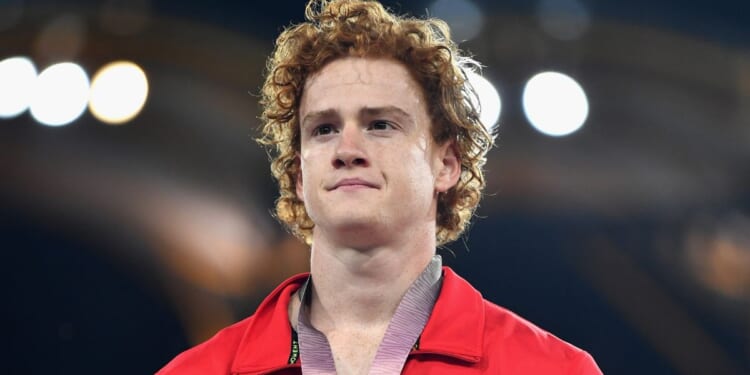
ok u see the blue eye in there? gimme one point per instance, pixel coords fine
(380, 125)
(323, 130)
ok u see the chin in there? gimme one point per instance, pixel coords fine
(356, 225)
(347, 217)
(358, 232)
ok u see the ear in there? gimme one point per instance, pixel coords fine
(298, 179)
(448, 167)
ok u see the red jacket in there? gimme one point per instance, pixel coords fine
(464, 335)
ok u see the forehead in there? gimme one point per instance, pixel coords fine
(361, 81)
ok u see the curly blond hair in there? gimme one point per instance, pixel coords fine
(341, 28)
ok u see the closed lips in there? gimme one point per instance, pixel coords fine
(353, 182)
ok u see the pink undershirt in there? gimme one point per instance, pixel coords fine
(402, 333)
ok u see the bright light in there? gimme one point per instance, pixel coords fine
(118, 92)
(60, 94)
(17, 76)
(489, 99)
(555, 104)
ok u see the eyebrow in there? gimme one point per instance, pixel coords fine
(376, 111)
(364, 112)
(318, 115)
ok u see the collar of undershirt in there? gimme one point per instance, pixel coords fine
(400, 337)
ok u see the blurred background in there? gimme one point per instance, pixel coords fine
(135, 206)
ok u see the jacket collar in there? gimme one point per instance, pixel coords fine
(456, 325)
(454, 329)
(267, 341)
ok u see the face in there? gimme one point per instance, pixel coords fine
(368, 161)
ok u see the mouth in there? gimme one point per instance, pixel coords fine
(353, 183)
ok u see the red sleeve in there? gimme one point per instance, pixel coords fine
(585, 365)
(213, 357)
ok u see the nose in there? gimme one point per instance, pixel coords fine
(350, 149)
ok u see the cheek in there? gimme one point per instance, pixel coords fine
(305, 154)
(310, 165)
(415, 169)
(306, 160)
(314, 153)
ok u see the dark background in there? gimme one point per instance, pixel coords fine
(123, 245)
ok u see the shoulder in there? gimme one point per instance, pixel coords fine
(532, 348)
(504, 341)
(213, 356)
(261, 339)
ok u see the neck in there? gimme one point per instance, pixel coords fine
(362, 287)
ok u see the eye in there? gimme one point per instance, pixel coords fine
(380, 125)
(324, 129)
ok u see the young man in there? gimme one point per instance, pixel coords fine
(378, 154)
